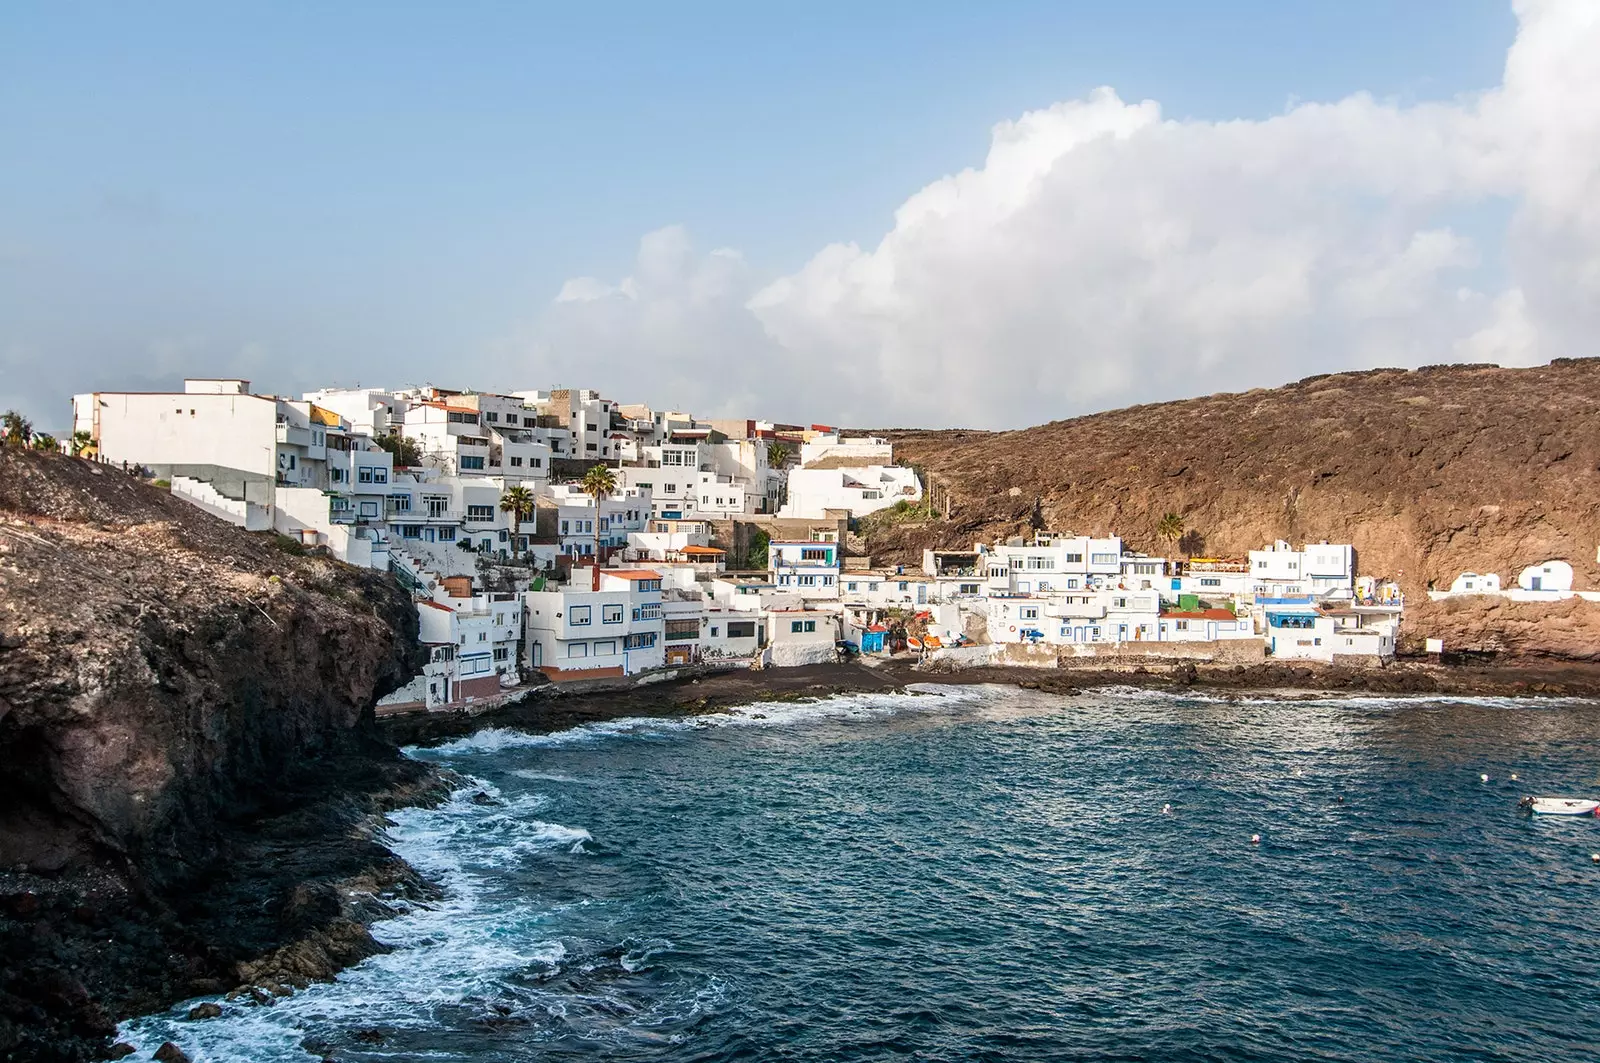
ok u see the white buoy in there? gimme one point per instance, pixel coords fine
(1298, 774)
(1166, 810)
(1483, 778)
(1255, 839)
(1595, 857)
(1513, 776)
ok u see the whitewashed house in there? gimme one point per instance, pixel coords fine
(797, 637)
(1280, 571)
(1546, 576)
(575, 632)
(864, 489)
(804, 567)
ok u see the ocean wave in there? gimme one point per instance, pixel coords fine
(923, 697)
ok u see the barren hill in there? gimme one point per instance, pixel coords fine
(1429, 473)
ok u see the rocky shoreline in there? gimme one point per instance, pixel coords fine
(548, 709)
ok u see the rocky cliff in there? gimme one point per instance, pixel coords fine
(173, 691)
(1428, 473)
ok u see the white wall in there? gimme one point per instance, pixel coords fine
(233, 431)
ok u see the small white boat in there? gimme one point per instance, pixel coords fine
(1560, 806)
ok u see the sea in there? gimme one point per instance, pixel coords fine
(984, 873)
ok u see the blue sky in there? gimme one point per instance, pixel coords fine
(373, 191)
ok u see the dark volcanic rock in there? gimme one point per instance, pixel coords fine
(186, 725)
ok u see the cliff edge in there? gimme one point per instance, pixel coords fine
(185, 722)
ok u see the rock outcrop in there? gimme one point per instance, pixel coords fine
(1429, 473)
(185, 722)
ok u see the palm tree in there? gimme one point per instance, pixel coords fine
(45, 441)
(517, 501)
(81, 441)
(598, 482)
(777, 454)
(1170, 527)
(16, 429)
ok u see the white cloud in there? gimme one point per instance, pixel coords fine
(1104, 255)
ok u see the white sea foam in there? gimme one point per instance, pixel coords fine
(923, 697)
(457, 949)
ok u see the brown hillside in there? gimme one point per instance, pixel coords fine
(1429, 472)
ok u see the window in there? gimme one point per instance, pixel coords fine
(515, 461)
(530, 422)
(1119, 603)
(611, 614)
(713, 631)
(849, 586)
(1103, 559)
(797, 626)
(578, 615)
(670, 488)
(808, 554)
(504, 535)
(480, 513)
(338, 475)
(1183, 625)
(741, 629)
(369, 509)
(400, 503)
(679, 630)
(491, 416)
(905, 586)
(808, 581)
(1039, 562)
(639, 642)
(471, 461)
(577, 649)
(1072, 559)
(411, 531)
(563, 527)
(966, 588)
(605, 647)
(447, 535)
(1030, 613)
(477, 664)
(501, 653)
(1210, 581)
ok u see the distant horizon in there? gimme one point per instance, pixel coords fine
(920, 214)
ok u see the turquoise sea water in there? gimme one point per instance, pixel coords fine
(986, 874)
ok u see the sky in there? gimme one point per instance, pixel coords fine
(866, 214)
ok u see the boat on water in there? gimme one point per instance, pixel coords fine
(1561, 806)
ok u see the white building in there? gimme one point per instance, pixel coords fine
(1308, 633)
(886, 588)
(1213, 579)
(1281, 571)
(858, 489)
(1050, 563)
(1088, 616)
(255, 460)
(797, 637)
(569, 514)
(1546, 576)
(575, 632)
(700, 480)
(860, 450)
(804, 567)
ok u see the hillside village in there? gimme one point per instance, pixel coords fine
(562, 536)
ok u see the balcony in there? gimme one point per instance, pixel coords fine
(288, 433)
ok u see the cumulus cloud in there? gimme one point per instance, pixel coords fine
(1104, 255)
